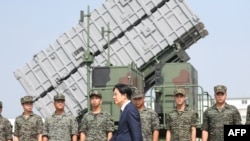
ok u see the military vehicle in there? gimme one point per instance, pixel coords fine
(141, 43)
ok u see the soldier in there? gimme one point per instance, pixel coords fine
(60, 126)
(149, 118)
(248, 115)
(220, 114)
(5, 127)
(181, 121)
(28, 126)
(97, 124)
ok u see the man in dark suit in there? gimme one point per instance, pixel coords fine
(129, 126)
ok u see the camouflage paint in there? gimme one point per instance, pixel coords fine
(173, 75)
(169, 76)
(104, 79)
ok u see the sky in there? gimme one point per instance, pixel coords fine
(29, 26)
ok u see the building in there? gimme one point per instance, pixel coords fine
(241, 104)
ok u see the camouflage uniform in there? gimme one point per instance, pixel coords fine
(96, 126)
(28, 129)
(149, 118)
(214, 121)
(5, 127)
(149, 123)
(248, 115)
(60, 127)
(180, 123)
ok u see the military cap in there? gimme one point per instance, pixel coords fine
(137, 94)
(96, 93)
(26, 99)
(220, 88)
(179, 91)
(59, 97)
(1, 104)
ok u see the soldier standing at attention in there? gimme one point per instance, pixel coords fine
(5, 127)
(60, 126)
(220, 114)
(181, 121)
(97, 124)
(149, 118)
(28, 126)
(248, 115)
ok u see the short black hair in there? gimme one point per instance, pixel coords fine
(124, 89)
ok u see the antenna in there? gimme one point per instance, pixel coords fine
(88, 56)
(103, 32)
(81, 16)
